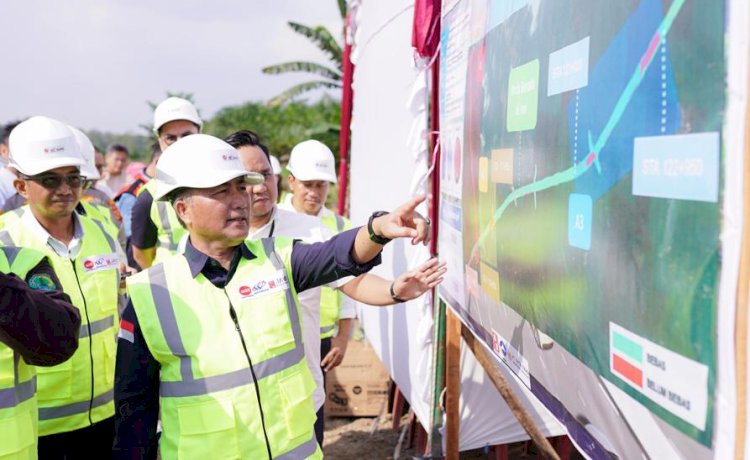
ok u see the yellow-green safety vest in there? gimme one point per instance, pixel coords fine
(169, 229)
(99, 213)
(91, 280)
(331, 299)
(18, 406)
(234, 380)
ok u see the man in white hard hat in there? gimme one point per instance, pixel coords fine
(75, 398)
(267, 220)
(312, 168)
(155, 231)
(215, 334)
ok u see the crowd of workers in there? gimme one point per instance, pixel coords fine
(182, 310)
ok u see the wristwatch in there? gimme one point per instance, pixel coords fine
(373, 237)
(395, 298)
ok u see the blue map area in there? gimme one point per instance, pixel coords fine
(654, 100)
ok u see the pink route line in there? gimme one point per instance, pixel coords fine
(650, 51)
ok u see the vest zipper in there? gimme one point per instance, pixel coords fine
(91, 341)
(233, 315)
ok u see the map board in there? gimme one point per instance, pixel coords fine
(584, 183)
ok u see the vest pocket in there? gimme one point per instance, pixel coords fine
(109, 354)
(17, 434)
(277, 328)
(6, 367)
(56, 382)
(207, 430)
(299, 413)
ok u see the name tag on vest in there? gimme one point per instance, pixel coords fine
(98, 263)
(277, 282)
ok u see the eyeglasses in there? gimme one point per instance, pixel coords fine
(53, 181)
(170, 139)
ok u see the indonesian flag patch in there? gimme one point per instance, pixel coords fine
(126, 331)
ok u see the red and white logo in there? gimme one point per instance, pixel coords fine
(274, 283)
(103, 262)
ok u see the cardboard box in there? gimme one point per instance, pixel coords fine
(358, 387)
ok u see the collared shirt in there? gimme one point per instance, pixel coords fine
(137, 371)
(310, 230)
(68, 251)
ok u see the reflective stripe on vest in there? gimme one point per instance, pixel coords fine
(65, 390)
(231, 385)
(190, 386)
(18, 405)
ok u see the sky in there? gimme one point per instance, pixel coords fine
(95, 63)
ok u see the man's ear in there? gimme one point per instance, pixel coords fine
(21, 186)
(182, 209)
(290, 180)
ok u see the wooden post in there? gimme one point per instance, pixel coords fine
(497, 377)
(452, 383)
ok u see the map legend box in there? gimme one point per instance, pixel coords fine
(523, 97)
(579, 220)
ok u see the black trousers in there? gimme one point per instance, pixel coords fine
(320, 424)
(94, 441)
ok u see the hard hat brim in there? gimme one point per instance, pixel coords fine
(39, 167)
(164, 187)
(322, 176)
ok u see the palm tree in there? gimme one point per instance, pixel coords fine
(323, 39)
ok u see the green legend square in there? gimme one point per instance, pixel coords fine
(523, 96)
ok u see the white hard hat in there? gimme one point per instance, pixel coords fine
(86, 148)
(312, 160)
(40, 144)
(175, 108)
(275, 165)
(199, 161)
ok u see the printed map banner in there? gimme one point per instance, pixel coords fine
(582, 193)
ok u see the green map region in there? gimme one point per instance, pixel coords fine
(592, 189)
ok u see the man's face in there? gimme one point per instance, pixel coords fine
(99, 162)
(218, 214)
(116, 161)
(308, 196)
(51, 194)
(171, 132)
(263, 196)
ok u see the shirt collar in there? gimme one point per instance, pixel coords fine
(265, 230)
(70, 250)
(198, 260)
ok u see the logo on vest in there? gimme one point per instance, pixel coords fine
(277, 282)
(98, 263)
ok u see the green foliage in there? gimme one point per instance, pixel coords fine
(325, 41)
(281, 127)
(139, 146)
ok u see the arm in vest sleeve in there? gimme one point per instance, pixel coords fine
(136, 393)
(320, 263)
(144, 234)
(37, 319)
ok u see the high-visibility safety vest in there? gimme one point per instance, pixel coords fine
(18, 406)
(169, 229)
(79, 392)
(234, 380)
(331, 299)
(103, 215)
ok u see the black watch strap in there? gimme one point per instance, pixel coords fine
(395, 298)
(373, 237)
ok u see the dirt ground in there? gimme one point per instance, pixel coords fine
(369, 438)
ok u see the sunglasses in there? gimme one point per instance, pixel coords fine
(53, 181)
